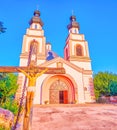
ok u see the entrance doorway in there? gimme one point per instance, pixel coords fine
(61, 92)
(63, 97)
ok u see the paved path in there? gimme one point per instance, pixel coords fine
(75, 117)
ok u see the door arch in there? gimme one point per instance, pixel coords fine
(59, 89)
(58, 92)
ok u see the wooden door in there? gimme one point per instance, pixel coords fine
(63, 97)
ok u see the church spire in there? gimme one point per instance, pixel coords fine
(36, 18)
(73, 23)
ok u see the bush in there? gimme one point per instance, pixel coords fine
(11, 105)
(4, 128)
(101, 100)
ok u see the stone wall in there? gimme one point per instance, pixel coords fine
(108, 99)
(6, 118)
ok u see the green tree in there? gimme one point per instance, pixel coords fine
(103, 82)
(8, 86)
(113, 88)
(2, 28)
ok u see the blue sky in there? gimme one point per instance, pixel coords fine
(97, 19)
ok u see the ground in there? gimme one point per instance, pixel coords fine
(75, 117)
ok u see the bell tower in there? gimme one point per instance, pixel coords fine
(76, 47)
(34, 35)
(34, 40)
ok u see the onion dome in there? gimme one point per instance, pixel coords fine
(73, 23)
(36, 18)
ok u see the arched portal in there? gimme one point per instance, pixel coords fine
(58, 92)
(58, 89)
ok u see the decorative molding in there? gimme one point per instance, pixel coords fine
(34, 36)
(80, 58)
(59, 59)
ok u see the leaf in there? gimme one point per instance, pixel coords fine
(102, 82)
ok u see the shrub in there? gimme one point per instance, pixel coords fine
(11, 105)
(2, 127)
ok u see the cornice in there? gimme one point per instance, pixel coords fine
(34, 36)
(79, 58)
(59, 59)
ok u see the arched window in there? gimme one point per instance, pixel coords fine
(79, 51)
(75, 31)
(66, 51)
(35, 26)
(33, 51)
(34, 48)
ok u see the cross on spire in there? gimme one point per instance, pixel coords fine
(37, 7)
(72, 12)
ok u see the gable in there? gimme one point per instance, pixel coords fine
(53, 63)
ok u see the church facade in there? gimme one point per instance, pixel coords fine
(76, 85)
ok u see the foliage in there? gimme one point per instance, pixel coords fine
(100, 100)
(8, 86)
(3, 128)
(2, 28)
(113, 88)
(104, 84)
(11, 105)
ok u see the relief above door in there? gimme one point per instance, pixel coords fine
(58, 92)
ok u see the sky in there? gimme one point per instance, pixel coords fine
(97, 19)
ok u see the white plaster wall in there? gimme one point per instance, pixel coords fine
(73, 50)
(40, 44)
(38, 88)
(77, 76)
(86, 48)
(23, 43)
(40, 62)
(70, 71)
(86, 84)
(29, 39)
(81, 81)
(35, 32)
(78, 79)
(77, 37)
(23, 62)
(85, 65)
